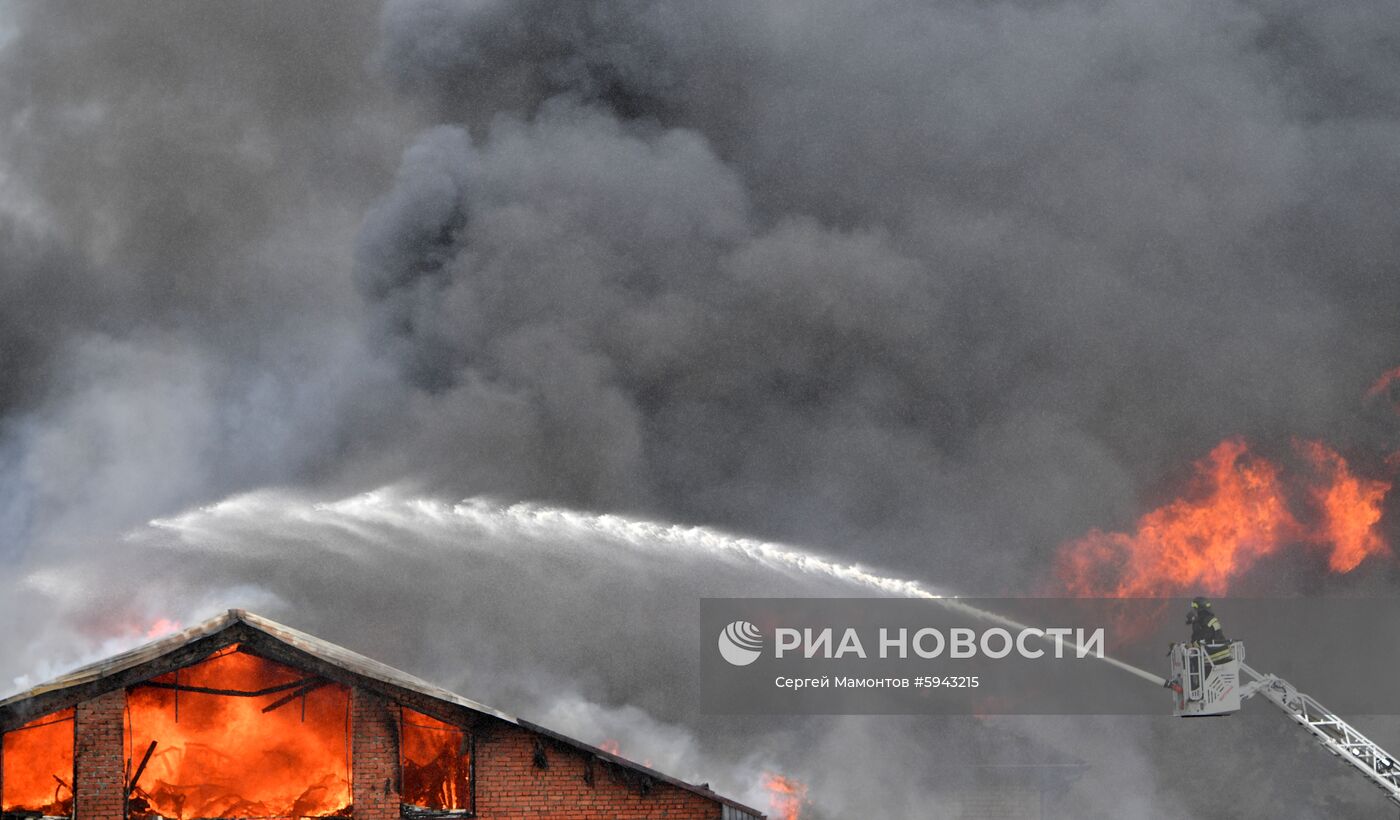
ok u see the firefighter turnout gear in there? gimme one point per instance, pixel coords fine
(1206, 631)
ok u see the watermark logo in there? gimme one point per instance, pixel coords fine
(741, 643)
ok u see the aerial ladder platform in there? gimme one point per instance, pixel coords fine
(1205, 688)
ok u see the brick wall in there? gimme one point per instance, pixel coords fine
(509, 786)
(99, 758)
(374, 757)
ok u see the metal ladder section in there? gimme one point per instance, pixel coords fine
(1336, 735)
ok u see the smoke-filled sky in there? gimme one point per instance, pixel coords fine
(933, 287)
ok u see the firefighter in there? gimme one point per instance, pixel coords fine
(1206, 631)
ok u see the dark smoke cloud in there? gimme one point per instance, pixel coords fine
(935, 286)
(989, 257)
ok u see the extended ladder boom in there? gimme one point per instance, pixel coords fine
(1335, 734)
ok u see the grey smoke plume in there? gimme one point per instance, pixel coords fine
(939, 260)
(931, 286)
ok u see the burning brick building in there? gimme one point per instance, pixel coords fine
(241, 717)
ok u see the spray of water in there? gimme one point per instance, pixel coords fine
(394, 510)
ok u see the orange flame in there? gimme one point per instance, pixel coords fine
(218, 754)
(1235, 511)
(38, 767)
(1382, 384)
(437, 764)
(611, 747)
(786, 796)
(161, 628)
(1351, 508)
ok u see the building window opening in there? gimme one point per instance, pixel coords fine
(38, 768)
(436, 761)
(238, 736)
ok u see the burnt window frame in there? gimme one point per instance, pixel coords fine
(412, 812)
(72, 775)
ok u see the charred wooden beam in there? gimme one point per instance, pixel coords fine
(140, 770)
(232, 693)
(305, 690)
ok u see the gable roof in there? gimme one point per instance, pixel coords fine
(290, 646)
(147, 659)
